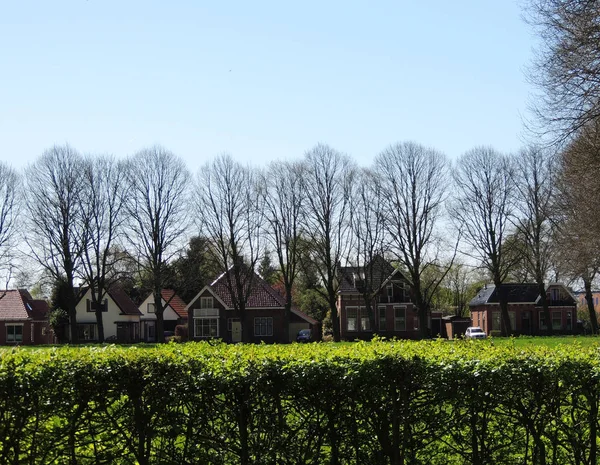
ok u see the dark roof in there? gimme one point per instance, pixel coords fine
(378, 272)
(175, 302)
(19, 305)
(262, 295)
(521, 293)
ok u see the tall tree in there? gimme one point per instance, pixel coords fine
(327, 182)
(367, 219)
(57, 235)
(104, 180)
(158, 210)
(535, 188)
(283, 200)
(230, 213)
(576, 211)
(566, 67)
(484, 205)
(415, 181)
(9, 211)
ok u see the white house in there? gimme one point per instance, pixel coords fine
(120, 317)
(175, 314)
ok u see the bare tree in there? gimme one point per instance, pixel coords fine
(415, 181)
(157, 206)
(105, 183)
(283, 200)
(566, 67)
(9, 211)
(483, 206)
(327, 182)
(230, 213)
(459, 282)
(535, 188)
(576, 211)
(367, 219)
(57, 236)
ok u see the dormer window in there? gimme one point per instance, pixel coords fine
(206, 302)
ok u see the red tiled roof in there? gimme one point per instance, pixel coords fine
(175, 302)
(262, 295)
(18, 305)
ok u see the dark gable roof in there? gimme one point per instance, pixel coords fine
(516, 293)
(379, 270)
(262, 295)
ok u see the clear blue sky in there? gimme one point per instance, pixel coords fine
(261, 80)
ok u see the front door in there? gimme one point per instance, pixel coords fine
(236, 331)
(150, 331)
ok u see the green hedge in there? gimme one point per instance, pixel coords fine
(363, 403)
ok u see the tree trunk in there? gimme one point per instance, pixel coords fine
(99, 322)
(505, 326)
(545, 309)
(335, 318)
(72, 313)
(590, 304)
(159, 312)
(287, 315)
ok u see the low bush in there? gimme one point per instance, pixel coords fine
(364, 403)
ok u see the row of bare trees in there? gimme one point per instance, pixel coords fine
(322, 211)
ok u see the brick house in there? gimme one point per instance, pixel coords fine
(23, 320)
(525, 310)
(212, 314)
(389, 291)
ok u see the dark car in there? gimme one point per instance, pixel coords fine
(303, 335)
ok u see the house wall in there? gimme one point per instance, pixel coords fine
(110, 318)
(168, 315)
(526, 318)
(27, 332)
(382, 302)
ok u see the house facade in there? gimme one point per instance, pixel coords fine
(120, 317)
(23, 320)
(525, 309)
(387, 290)
(212, 314)
(175, 313)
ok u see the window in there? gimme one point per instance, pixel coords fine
(399, 318)
(496, 321)
(382, 319)
(416, 320)
(351, 318)
(206, 322)
(206, 302)
(91, 306)
(151, 308)
(365, 321)
(390, 292)
(263, 326)
(14, 333)
(86, 332)
(556, 320)
(512, 315)
(543, 321)
(569, 321)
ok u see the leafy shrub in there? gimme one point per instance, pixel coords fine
(365, 403)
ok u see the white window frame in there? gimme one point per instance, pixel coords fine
(211, 317)
(207, 302)
(384, 319)
(265, 325)
(398, 319)
(355, 318)
(13, 338)
(150, 305)
(364, 320)
(552, 315)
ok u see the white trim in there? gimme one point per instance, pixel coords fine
(209, 289)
